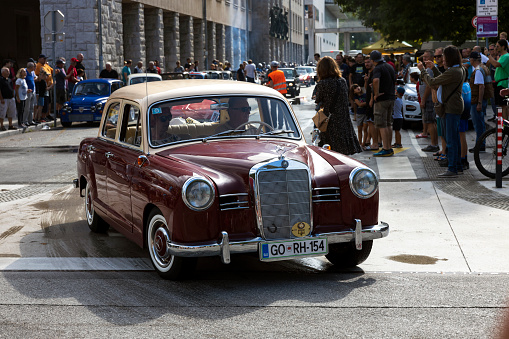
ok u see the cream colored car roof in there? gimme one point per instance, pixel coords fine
(148, 93)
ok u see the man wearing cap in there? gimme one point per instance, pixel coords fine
(72, 75)
(481, 86)
(277, 81)
(384, 81)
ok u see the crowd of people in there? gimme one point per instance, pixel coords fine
(453, 85)
(26, 92)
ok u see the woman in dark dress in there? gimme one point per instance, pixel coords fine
(332, 94)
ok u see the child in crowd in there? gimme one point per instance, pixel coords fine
(397, 117)
(359, 98)
(80, 75)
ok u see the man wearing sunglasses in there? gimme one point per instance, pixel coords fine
(439, 59)
(160, 118)
(238, 111)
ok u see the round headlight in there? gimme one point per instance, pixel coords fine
(198, 193)
(290, 84)
(98, 105)
(363, 182)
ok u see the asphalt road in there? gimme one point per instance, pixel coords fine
(441, 273)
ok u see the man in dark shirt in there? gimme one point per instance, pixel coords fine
(7, 102)
(384, 82)
(188, 65)
(108, 72)
(357, 71)
(79, 65)
(240, 73)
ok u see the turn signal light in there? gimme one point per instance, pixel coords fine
(326, 146)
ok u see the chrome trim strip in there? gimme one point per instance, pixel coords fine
(233, 195)
(234, 203)
(225, 248)
(248, 246)
(235, 208)
(322, 200)
(325, 195)
(326, 188)
(358, 234)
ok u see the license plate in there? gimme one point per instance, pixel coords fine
(288, 249)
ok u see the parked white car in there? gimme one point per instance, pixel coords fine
(139, 78)
(411, 107)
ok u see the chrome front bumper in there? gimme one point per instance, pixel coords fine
(224, 248)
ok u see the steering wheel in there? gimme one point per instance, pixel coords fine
(256, 122)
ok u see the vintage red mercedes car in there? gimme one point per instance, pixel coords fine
(192, 168)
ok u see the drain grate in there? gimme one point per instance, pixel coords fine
(433, 169)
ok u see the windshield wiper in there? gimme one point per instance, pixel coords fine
(278, 131)
(231, 131)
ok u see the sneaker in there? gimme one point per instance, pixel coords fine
(465, 164)
(397, 146)
(430, 148)
(418, 136)
(482, 149)
(443, 163)
(447, 174)
(12, 128)
(384, 153)
(2, 128)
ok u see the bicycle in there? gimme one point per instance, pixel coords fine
(486, 157)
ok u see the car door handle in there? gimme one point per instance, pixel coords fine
(108, 154)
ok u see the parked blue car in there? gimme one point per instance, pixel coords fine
(87, 100)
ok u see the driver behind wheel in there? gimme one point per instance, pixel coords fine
(238, 110)
(160, 118)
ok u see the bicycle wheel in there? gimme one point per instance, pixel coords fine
(486, 162)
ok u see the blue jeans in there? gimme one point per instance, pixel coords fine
(478, 118)
(452, 136)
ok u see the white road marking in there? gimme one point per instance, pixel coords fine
(395, 168)
(416, 145)
(75, 264)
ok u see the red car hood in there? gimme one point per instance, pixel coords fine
(227, 162)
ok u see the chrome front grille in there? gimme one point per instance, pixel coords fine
(326, 194)
(283, 198)
(233, 201)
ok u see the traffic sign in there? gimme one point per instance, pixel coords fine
(487, 7)
(59, 21)
(487, 26)
(474, 21)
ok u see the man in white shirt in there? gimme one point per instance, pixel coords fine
(250, 70)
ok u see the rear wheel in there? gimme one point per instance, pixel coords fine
(345, 255)
(167, 265)
(485, 153)
(95, 222)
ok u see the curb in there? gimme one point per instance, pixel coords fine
(20, 130)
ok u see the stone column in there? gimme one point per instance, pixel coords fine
(171, 41)
(243, 45)
(236, 48)
(154, 35)
(228, 44)
(211, 43)
(199, 43)
(220, 43)
(186, 38)
(133, 20)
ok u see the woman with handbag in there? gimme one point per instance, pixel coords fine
(450, 85)
(332, 93)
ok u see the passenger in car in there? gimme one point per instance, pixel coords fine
(160, 118)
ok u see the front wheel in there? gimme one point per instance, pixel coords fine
(345, 255)
(95, 222)
(66, 123)
(485, 153)
(167, 265)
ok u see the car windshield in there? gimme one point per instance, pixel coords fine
(301, 71)
(92, 88)
(139, 80)
(220, 117)
(288, 73)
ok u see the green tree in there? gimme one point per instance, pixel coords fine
(424, 20)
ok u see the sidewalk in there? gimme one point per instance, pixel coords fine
(40, 126)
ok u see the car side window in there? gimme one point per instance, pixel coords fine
(115, 86)
(130, 132)
(111, 122)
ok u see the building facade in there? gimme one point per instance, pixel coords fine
(145, 30)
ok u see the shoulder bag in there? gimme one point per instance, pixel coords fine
(321, 120)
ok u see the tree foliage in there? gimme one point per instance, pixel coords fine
(421, 21)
